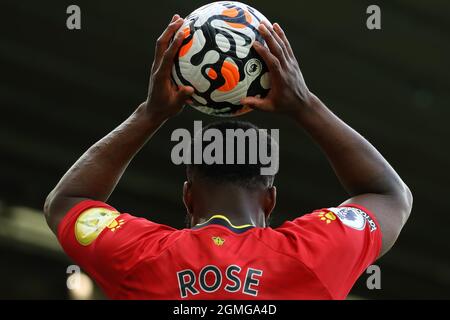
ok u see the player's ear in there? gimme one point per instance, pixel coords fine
(270, 201)
(187, 197)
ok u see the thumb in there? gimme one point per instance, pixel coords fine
(184, 93)
(256, 103)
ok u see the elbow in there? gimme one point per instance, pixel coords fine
(56, 205)
(48, 204)
(409, 198)
(51, 205)
(405, 199)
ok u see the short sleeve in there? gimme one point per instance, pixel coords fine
(336, 244)
(107, 244)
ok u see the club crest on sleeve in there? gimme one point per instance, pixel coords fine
(92, 222)
(351, 217)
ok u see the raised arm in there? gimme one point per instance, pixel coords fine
(364, 173)
(96, 173)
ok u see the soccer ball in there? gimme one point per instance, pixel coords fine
(217, 59)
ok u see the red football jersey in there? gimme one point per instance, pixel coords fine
(317, 256)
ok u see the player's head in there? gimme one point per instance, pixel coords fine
(232, 185)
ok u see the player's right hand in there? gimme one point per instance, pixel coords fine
(289, 93)
(164, 98)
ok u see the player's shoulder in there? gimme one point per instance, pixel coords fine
(341, 222)
(91, 220)
(349, 216)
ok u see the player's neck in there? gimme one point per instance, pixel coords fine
(239, 208)
(239, 205)
(236, 217)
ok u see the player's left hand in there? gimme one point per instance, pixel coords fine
(288, 93)
(165, 99)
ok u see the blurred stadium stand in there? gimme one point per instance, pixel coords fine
(62, 90)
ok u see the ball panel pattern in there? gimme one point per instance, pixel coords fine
(216, 58)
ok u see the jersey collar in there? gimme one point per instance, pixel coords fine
(225, 222)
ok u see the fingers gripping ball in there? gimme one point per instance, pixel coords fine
(217, 59)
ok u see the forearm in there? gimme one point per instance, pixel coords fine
(96, 173)
(368, 178)
(358, 165)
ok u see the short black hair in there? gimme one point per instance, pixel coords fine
(246, 175)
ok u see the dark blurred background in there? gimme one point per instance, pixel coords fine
(62, 90)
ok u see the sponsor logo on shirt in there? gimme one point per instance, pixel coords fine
(372, 224)
(93, 221)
